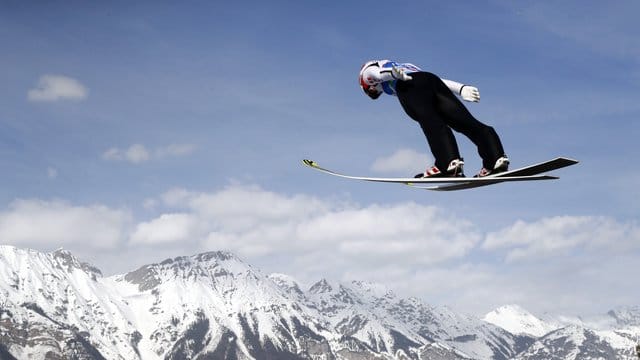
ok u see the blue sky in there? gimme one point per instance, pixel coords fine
(134, 132)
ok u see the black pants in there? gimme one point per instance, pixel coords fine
(427, 100)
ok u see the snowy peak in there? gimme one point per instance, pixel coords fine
(211, 304)
(517, 320)
(627, 316)
(215, 256)
(204, 262)
(569, 343)
(321, 287)
(66, 260)
(32, 260)
(146, 277)
(206, 266)
(372, 315)
(287, 283)
(35, 274)
(373, 290)
(62, 300)
(599, 337)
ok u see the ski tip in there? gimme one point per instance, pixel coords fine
(310, 163)
(569, 161)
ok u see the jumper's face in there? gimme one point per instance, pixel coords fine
(373, 91)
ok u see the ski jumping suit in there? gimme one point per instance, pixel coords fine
(431, 102)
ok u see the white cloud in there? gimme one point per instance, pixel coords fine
(559, 235)
(167, 228)
(52, 173)
(175, 150)
(177, 197)
(57, 223)
(410, 233)
(414, 249)
(238, 208)
(138, 153)
(57, 87)
(255, 222)
(113, 154)
(135, 154)
(401, 161)
(149, 203)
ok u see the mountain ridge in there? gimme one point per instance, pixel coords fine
(214, 305)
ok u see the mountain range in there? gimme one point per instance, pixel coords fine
(215, 306)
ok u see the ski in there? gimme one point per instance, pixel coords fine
(529, 173)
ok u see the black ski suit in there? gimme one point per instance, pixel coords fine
(429, 101)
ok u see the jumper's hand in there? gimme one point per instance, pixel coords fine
(399, 73)
(470, 93)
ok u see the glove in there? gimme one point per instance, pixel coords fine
(398, 73)
(470, 93)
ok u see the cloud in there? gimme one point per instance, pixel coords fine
(562, 262)
(138, 153)
(135, 154)
(175, 150)
(254, 222)
(167, 228)
(558, 284)
(401, 161)
(560, 235)
(52, 88)
(57, 223)
(52, 173)
(414, 249)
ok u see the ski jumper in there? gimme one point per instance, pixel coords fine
(431, 102)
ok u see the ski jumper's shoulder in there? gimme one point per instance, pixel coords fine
(408, 67)
(387, 81)
(389, 87)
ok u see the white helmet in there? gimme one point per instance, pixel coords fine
(373, 91)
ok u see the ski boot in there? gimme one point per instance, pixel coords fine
(501, 165)
(453, 170)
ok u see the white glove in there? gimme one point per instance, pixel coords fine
(399, 73)
(470, 93)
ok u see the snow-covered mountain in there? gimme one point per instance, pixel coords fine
(610, 336)
(215, 306)
(517, 320)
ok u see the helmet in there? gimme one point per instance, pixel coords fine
(373, 91)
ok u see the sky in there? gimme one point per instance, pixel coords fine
(135, 132)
